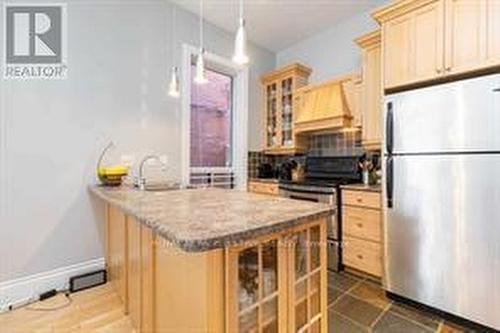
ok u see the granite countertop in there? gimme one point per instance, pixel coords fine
(197, 220)
(362, 187)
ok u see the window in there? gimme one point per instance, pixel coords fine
(211, 121)
(214, 122)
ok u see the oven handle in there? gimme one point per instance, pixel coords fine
(314, 197)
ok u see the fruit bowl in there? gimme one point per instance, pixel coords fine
(112, 175)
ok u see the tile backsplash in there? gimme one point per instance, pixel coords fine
(331, 144)
(336, 144)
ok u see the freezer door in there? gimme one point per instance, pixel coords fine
(443, 234)
(454, 117)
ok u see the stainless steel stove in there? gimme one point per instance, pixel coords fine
(323, 176)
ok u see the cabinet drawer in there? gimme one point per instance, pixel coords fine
(263, 188)
(361, 222)
(363, 255)
(361, 198)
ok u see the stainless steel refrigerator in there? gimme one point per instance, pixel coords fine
(442, 197)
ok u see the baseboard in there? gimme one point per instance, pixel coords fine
(26, 289)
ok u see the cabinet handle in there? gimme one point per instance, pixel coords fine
(438, 70)
(360, 225)
(448, 69)
(359, 256)
(359, 199)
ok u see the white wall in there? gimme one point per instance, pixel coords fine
(51, 132)
(332, 52)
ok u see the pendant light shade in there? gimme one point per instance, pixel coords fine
(200, 69)
(173, 87)
(240, 43)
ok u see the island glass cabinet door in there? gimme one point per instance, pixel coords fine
(256, 286)
(274, 284)
(307, 280)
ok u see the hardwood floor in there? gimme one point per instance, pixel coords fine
(97, 310)
(355, 305)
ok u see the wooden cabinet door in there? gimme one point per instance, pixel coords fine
(466, 41)
(493, 19)
(307, 303)
(428, 38)
(271, 114)
(147, 277)
(117, 248)
(413, 45)
(256, 287)
(397, 44)
(372, 98)
(134, 271)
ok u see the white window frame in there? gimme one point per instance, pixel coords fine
(239, 124)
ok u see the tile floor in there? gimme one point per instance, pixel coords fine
(358, 305)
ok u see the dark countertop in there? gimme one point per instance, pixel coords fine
(362, 187)
(198, 220)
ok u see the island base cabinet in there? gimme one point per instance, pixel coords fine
(189, 293)
(278, 284)
(307, 279)
(272, 284)
(116, 255)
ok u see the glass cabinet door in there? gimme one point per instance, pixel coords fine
(287, 112)
(308, 304)
(272, 114)
(278, 284)
(257, 288)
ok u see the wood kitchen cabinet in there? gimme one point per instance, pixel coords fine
(307, 306)
(423, 40)
(362, 230)
(256, 299)
(466, 35)
(117, 255)
(263, 187)
(371, 92)
(493, 17)
(279, 88)
(130, 258)
(412, 41)
(276, 284)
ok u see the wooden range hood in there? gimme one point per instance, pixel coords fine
(325, 106)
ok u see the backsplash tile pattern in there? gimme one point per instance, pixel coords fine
(255, 158)
(332, 144)
(336, 144)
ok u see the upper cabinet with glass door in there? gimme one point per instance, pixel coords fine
(279, 105)
(425, 40)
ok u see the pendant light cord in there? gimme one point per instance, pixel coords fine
(241, 9)
(201, 25)
(174, 32)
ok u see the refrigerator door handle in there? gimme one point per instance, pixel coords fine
(389, 180)
(389, 128)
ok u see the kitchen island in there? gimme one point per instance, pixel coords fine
(214, 260)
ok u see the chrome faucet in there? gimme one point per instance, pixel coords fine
(141, 181)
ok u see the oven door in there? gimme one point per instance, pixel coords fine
(329, 199)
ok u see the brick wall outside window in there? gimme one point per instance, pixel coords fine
(211, 114)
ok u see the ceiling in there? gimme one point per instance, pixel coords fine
(277, 24)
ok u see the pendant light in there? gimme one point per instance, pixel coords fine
(240, 43)
(173, 87)
(200, 61)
